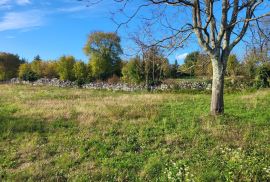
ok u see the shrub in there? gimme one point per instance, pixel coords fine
(113, 80)
(131, 71)
(26, 73)
(38, 68)
(50, 69)
(9, 64)
(65, 68)
(263, 76)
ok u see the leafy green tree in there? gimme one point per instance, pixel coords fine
(101, 67)
(65, 68)
(104, 50)
(26, 73)
(132, 72)
(232, 65)
(189, 63)
(263, 75)
(9, 64)
(37, 58)
(80, 72)
(250, 65)
(37, 67)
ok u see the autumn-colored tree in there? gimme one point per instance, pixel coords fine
(104, 50)
(25, 72)
(80, 72)
(37, 67)
(65, 68)
(50, 69)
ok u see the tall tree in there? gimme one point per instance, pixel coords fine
(65, 67)
(218, 25)
(9, 64)
(156, 65)
(259, 43)
(50, 69)
(37, 66)
(37, 58)
(104, 50)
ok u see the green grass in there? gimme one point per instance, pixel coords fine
(56, 134)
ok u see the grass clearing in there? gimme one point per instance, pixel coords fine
(59, 134)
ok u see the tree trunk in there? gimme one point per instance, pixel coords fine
(217, 101)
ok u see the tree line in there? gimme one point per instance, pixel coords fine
(254, 67)
(104, 51)
(151, 67)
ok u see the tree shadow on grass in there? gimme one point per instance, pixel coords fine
(12, 125)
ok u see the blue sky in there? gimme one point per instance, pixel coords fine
(52, 28)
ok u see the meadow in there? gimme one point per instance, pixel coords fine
(67, 134)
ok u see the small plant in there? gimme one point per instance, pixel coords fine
(240, 165)
(178, 171)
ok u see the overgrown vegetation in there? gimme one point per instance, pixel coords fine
(150, 67)
(52, 134)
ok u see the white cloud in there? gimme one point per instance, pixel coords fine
(73, 9)
(21, 20)
(23, 2)
(10, 37)
(181, 56)
(4, 2)
(18, 2)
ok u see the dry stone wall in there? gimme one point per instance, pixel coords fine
(181, 85)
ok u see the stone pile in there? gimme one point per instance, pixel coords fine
(181, 85)
(185, 85)
(117, 86)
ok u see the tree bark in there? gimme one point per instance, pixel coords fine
(217, 101)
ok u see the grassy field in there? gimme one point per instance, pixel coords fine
(53, 134)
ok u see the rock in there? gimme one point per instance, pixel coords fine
(185, 85)
(15, 81)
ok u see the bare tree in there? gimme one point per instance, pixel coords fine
(219, 25)
(260, 39)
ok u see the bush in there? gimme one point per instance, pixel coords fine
(50, 69)
(65, 68)
(131, 71)
(263, 76)
(80, 73)
(26, 73)
(30, 76)
(113, 80)
(236, 83)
